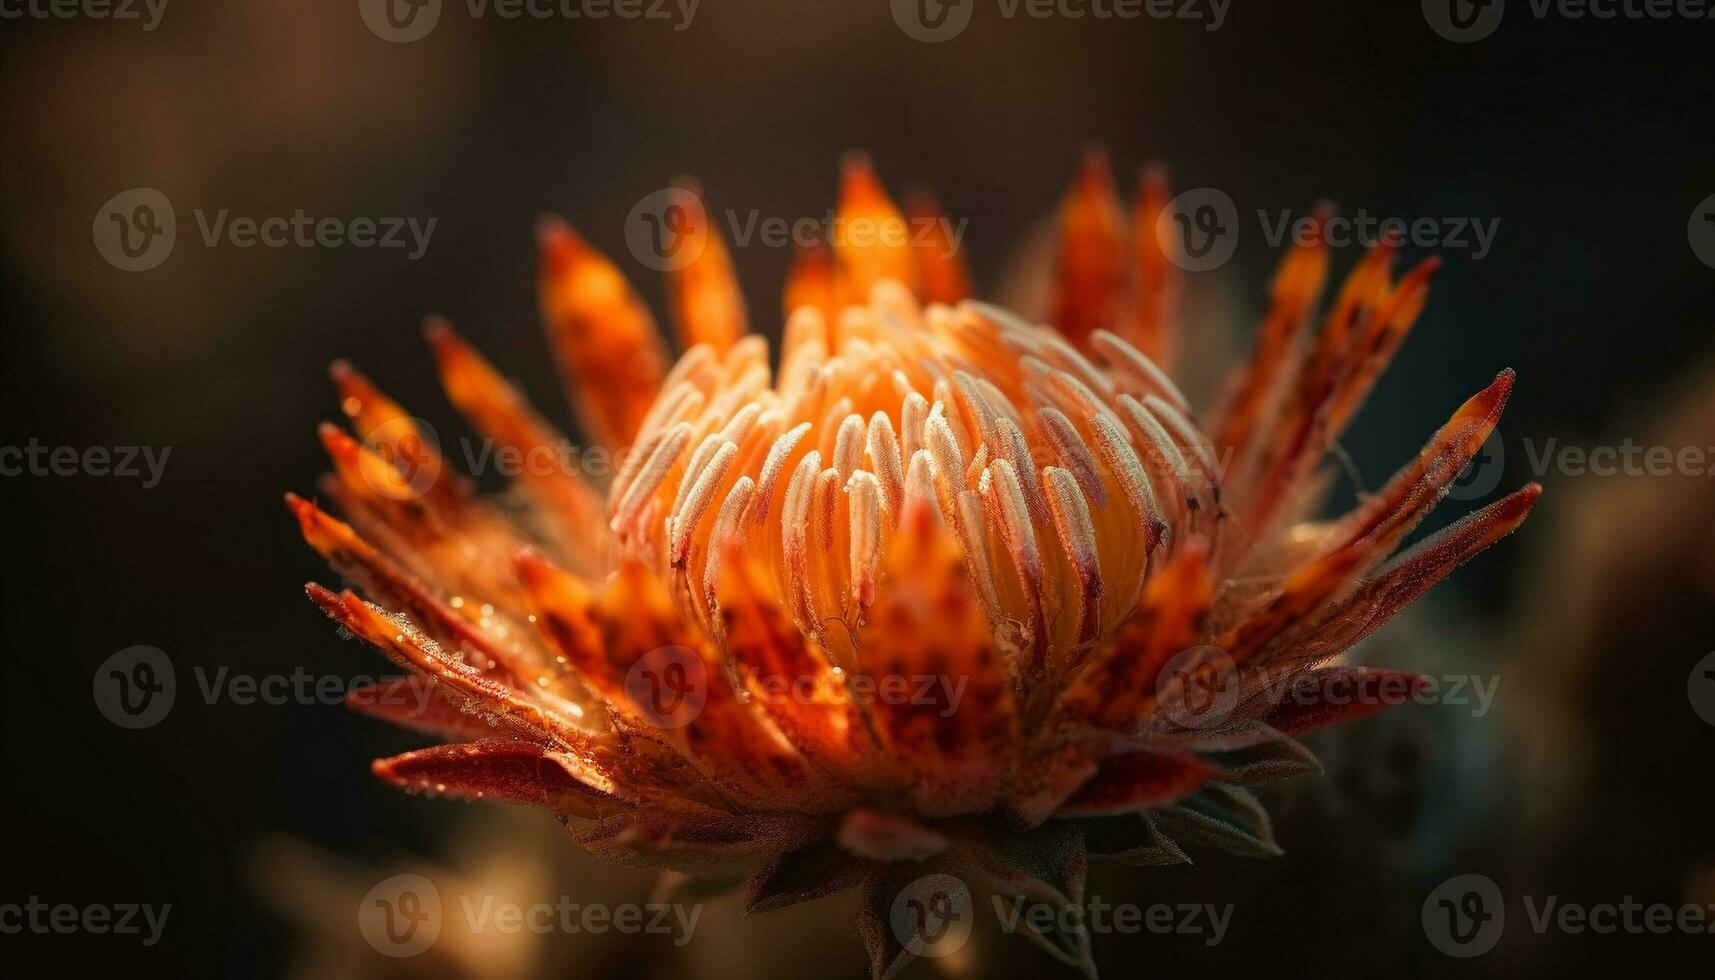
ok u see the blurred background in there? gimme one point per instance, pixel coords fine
(1590, 142)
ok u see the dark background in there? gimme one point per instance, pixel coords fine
(1591, 141)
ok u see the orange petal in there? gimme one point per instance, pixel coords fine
(1092, 273)
(943, 275)
(576, 512)
(708, 306)
(809, 283)
(609, 352)
(1155, 328)
(872, 241)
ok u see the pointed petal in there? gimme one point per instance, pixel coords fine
(708, 306)
(942, 273)
(415, 702)
(883, 836)
(1154, 330)
(513, 772)
(876, 246)
(947, 710)
(1092, 272)
(1336, 695)
(1224, 817)
(610, 355)
(1131, 840)
(1131, 781)
(574, 508)
(803, 875)
(809, 285)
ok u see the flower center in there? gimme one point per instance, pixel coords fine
(1066, 481)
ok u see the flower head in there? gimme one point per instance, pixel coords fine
(947, 593)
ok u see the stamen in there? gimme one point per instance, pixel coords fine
(1078, 541)
(848, 445)
(771, 468)
(683, 525)
(881, 452)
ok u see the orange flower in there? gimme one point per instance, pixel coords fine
(949, 593)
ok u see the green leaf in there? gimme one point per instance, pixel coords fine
(1046, 863)
(803, 875)
(1281, 757)
(1223, 817)
(910, 909)
(1131, 840)
(1060, 931)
